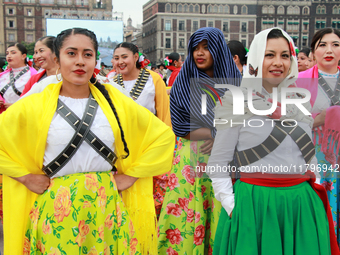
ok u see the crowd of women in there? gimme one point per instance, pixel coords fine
(114, 165)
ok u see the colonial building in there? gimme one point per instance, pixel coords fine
(25, 20)
(168, 25)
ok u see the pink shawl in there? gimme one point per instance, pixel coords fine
(330, 132)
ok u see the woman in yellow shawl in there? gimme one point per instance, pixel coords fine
(79, 209)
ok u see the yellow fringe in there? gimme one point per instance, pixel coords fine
(140, 206)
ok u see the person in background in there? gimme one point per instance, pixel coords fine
(74, 207)
(190, 212)
(239, 54)
(103, 70)
(277, 206)
(174, 64)
(312, 60)
(147, 89)
(323, 81)
(45, 57)
(14, 79)
(303, 59)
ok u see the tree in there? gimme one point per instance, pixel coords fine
(29, 47)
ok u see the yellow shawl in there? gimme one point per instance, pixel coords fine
(24, 128)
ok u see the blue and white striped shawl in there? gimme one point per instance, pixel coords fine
(185, 98)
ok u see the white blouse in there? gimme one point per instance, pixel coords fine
(10, 96)
(86, 159)
(322, 101)
(147, 97)
(285, 159)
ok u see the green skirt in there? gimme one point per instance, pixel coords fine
(80, 214)
(274, 221)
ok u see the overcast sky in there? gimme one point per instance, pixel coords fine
(130, 8)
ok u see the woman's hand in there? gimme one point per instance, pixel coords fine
(207, 146)
(36, 183)
(320, 119)
(124, 181)
(7, 105)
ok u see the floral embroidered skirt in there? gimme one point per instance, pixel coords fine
(190, 212)
(274, 220)
(329, 164)
(80, 214)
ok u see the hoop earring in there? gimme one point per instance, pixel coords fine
(56, 75)
(95, 76)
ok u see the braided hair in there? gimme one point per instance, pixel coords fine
(131, 47)
(58, 44)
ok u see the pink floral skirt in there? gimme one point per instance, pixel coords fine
(190, 212)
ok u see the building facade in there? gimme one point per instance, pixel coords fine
(25, 20)
(168, 25)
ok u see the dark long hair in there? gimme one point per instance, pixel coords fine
(320, 34)
(131, 47)
(21, 48)
(48, 42)
(58, 44)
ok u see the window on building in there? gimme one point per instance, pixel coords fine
(304, 41)
(318, 10)
(335, 10)
(244, 27)
(271, 10)
(29, 24)
(167, 25)
(318, 25)
(181, 43)
(11, 23)
(195, 25)
(226, 9)
(264, 9)
(244, 9)
(338, 25)
(215, 9)
(180, 8)
(280, 24)
(220, 8)
(11, 37)
(181, 25)
(305, 10)
(235, 9)
(281, 10)
(290, 10)
(210, 9)
(168, 43)
(29, 12)
(210, 23)
(197, 8)
(10, 11)
(225, 27)
(305, 26)
(244, 42)
(323, 10)
(323, 24)
(296, 10)
(167, 7)
(186, 8)
(29, 38)
(191, 8)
